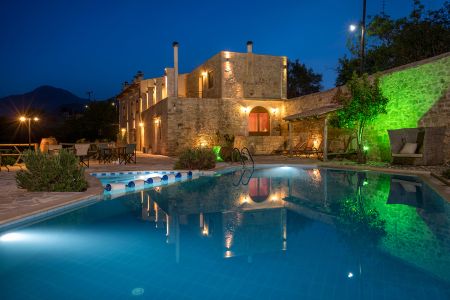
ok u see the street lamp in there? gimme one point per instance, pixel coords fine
(23, 119)
(362, 41)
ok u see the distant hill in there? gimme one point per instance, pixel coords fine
(46, 99)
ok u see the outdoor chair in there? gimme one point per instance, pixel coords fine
(318, 151)
(305, 148)
(295, 148)
(81, 151)
(417, 146)
(104, 153)
(130, 153)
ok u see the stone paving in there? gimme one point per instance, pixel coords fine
(17, 203)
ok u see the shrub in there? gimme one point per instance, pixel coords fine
(8, 160)
(51, 173)
(446, 173)
(196, 159)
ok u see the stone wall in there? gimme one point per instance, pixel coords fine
(240, 75)
(249, 75)
(311, 101)
(194, 122)
(261, 145)
(129, 110)
(214, 65)
(439, 115)
(418, 96)
(155, 131)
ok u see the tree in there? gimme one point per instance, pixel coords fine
(302, 80)
(392, 43)
(365, 103)
(98, 122)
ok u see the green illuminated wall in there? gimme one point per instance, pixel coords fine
(411, 93)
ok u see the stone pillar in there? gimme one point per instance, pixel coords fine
(325, 139)
(290, 138)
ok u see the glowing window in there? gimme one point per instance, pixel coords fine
(259, 121)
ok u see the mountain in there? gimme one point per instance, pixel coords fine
(44, 99)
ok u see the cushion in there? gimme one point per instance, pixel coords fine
(409, 148)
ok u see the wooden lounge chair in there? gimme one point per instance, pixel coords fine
(315, 150)
(297, 147)
(305, 148)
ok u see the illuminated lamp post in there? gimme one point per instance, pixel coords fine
(362, 42)
(25, 119)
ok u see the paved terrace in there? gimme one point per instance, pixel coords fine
(17, 203)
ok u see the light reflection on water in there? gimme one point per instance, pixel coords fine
(384, 231)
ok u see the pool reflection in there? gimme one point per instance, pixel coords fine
(250, 217)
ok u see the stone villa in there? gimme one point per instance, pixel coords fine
(244, 94)
(237, 93)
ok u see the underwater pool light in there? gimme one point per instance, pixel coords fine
(12, 237)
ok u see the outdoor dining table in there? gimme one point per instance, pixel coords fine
(110, 154)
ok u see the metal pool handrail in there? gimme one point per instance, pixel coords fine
(249, 155)
(240, 156)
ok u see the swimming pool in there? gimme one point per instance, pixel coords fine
(279, 232)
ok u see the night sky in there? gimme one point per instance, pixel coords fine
(96, 45)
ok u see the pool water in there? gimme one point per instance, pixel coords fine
(272, 233)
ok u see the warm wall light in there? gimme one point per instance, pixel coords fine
(245, 109)
(274, 110)
(141, 124)
(204, 73)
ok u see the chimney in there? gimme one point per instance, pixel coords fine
(249, 47)
(139, 76)
(175, 67)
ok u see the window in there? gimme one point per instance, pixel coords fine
(210, 79)
(259, 121)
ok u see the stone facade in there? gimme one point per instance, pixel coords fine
(187, 122)
(216, 97)
(219, 95)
